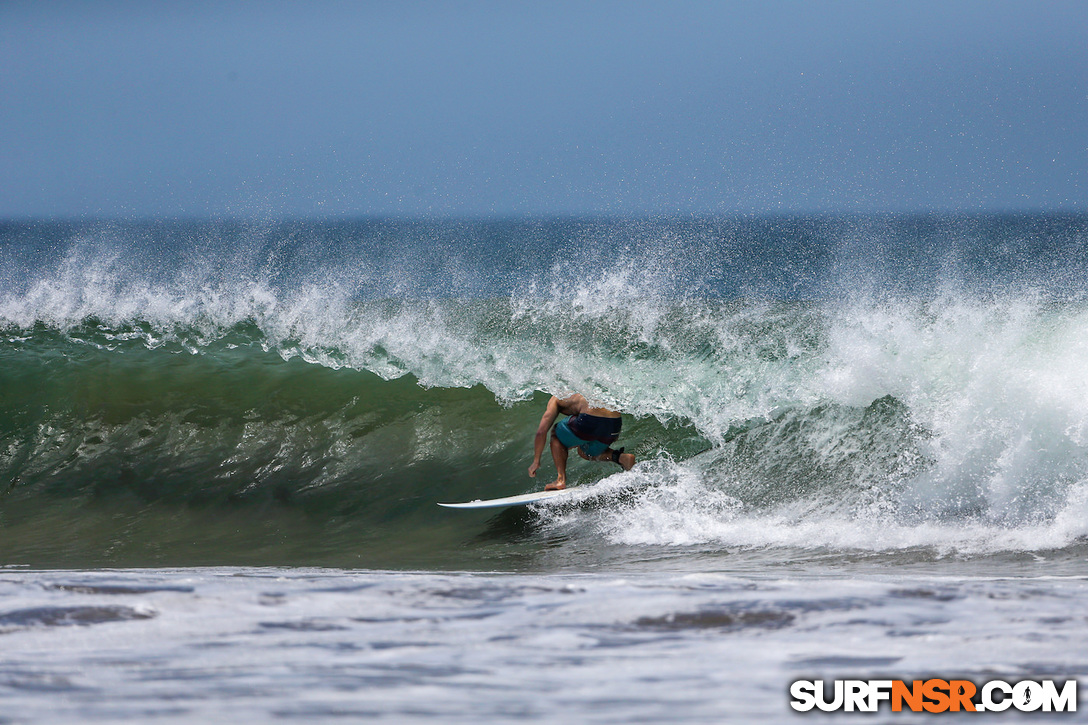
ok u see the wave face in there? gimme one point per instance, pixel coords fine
(285, 393)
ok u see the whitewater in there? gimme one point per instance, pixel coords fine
(862, 446)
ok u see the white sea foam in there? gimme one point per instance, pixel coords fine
(320, 645)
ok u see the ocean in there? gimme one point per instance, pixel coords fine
(861, 441)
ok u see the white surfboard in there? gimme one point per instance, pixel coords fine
(521, 500)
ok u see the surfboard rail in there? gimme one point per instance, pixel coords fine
(519, 500)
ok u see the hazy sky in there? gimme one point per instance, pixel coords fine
(512, 108)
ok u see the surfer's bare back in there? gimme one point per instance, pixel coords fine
(591, 430)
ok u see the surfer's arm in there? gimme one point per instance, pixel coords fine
(550, 414)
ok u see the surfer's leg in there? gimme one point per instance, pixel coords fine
(559, 455)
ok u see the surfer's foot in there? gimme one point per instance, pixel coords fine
(626, 461)
(556, 485)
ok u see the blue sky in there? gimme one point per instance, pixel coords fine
(315, 109)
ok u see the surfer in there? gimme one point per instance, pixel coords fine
(591, 430)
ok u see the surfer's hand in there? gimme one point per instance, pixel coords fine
(533, 469)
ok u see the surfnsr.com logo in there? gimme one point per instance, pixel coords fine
(935, 695)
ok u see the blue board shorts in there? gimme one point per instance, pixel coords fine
(566, 437)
